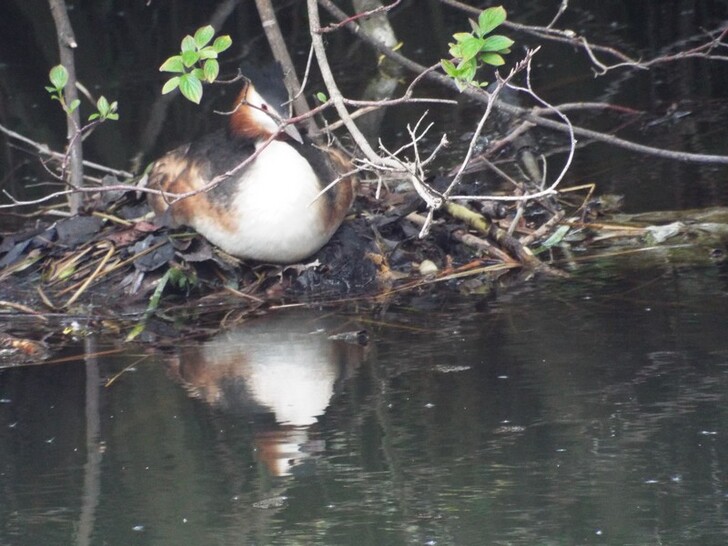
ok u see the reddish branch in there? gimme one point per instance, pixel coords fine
(357, 16)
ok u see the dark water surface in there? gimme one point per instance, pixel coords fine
(591, 411)
(587, 410)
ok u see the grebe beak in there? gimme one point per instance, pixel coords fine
(292, 132)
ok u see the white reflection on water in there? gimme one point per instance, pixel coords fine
(284, 366)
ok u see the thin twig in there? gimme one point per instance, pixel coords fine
(280, 53)
(332, 87)
(356, 17)
(482, 96)
(95, 274)
(44, 150)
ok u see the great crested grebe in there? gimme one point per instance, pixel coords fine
(268, 210)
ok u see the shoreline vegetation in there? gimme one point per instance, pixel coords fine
(422, 219)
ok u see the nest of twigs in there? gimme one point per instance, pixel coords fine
(116, 259)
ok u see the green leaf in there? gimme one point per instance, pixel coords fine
(105, 110)
(211, 68)
(188, 44)
(198, 73)
(151, 306)
(182, 279)
(102, 105)
(456, 50)
(74, 104)
(461, 85)
(222, 43)
(470, 48)
(173, 64)
(207, 53)
(467, 70)
(449, 68)
(462, 36)
(475, 28)
(463, 71)
(94, 116)
(554, 239)
(170, 85)
(496, 43)
(203, 36)
(189, 58)
(191, 88)
(50, 89)
(491, 18)
(321, 96)
(58, 76)
(492, 59)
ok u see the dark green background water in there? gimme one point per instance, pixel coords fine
(587, 412)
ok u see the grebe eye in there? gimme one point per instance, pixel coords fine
(264, 107)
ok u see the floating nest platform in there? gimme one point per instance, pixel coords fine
(112, 263)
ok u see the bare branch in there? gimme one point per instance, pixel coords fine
(369, 13)
(66, 45)
(482, 96)
(562, 8)
(570, 37)
(44, 150)
(572, 140)
(336, 96)
(280, 53)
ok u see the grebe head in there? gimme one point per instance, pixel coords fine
(256, 116)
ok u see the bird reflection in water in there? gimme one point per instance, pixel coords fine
(280, 372)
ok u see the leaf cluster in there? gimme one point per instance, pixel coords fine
(196, 63)
(472, 49)
(58, 77)
(104, 110)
